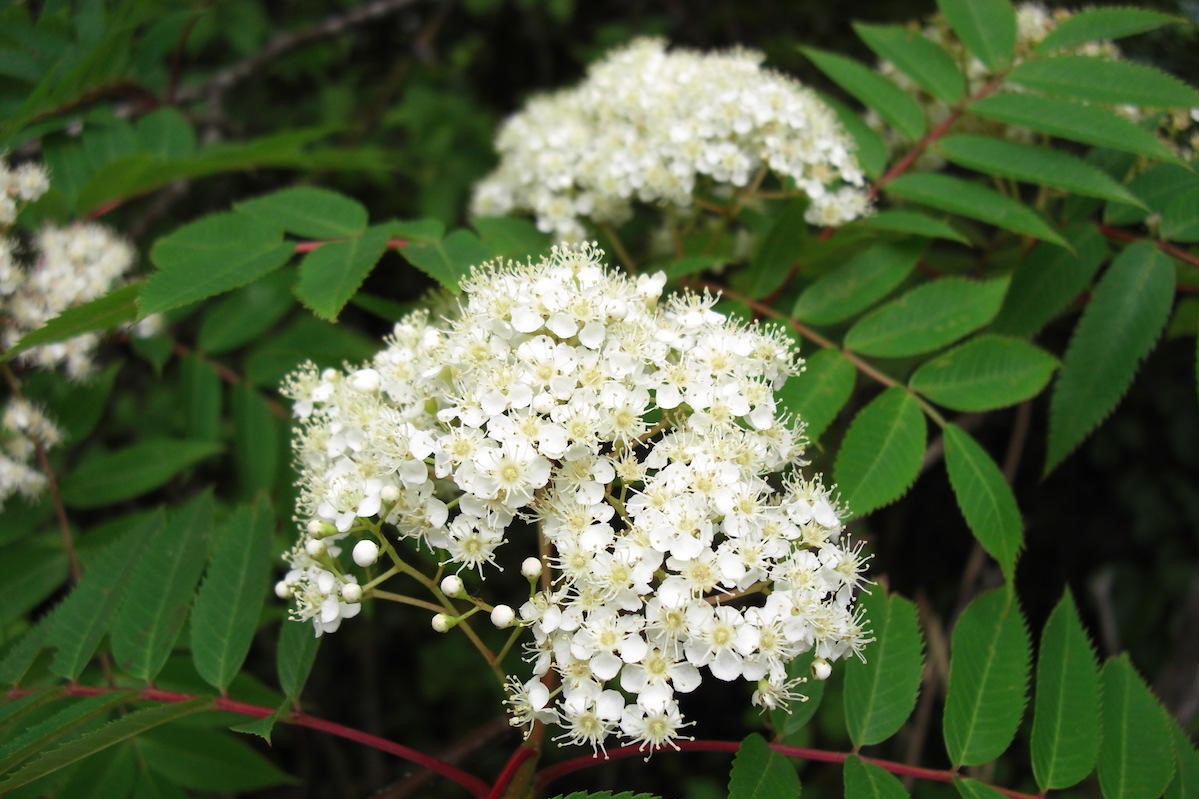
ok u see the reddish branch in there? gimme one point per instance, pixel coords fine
(309, 246)
(1164, 246)
(551, 773)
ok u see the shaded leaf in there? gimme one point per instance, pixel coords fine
(1180, 219)
(207, 760)
(246, 313)
(859, 283)
(257, 437)
(511, 237)
(777, 253)
(295, 655)
(819, 394)
(880, 691)
(449, 260)
(915, 223)
(794, 716)
(1128, 310)
(927, 317)
(988, 677)
(108, 477)
(881, 453)
(985, 373)
(872, 90)
(985, 499)
(869, 148)
(202, 392)
(70, 714)
(114, 308)
(1186, 777)
(971, 200)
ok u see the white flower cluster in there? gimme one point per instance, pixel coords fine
(70, 266)
(23, 429)
(649, 126)
(640, 435)
(1034, 22)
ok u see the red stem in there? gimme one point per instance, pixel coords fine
(551, 773)
(1164, 246)
(309, 246)
(471, 783)
(513, 765)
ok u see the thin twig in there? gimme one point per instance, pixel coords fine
(228, 375)
(414, 784)
(1164, 246)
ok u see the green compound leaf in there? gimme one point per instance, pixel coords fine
(1104, 80)
(872, 90)
(161, 589)
(1136, 754)
(103, 313)
(447, 260)
(1186, 777)
(777, 253)
(1180, 219)
(230, 600)
(988, 677)
(80, 622)
(108, 477)
(986, 27)
(1074, 121)
(209, 257)
(865, 780)
(309, 212)
(819, 394)
(1065, 722)
(971, 200)
(985, 499)
(295, 655)
(1127, 313)
(918, 57)
(927, 317)
(859, 283)
(880, 692)
(881, 454)
(985, 373)
(1031, 163)
(1048, 280)
(761, 773)
(913, 222)
(97, 740)
(333, 272)
(1102, 24)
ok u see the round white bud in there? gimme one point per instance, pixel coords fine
(531, 568)
(315, 547)
(315, 526)
(821, 669)
(367, 380)
(365, 553)
(389, 494)
(351, 592)
(282, 590)
(502, 616)
(441, 623)
(452, 586)
(331, 375)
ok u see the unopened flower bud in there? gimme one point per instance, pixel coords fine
(367, 380)
(331, 375)
(318, 528)
(531, 568)
(365, 553)
(452, 586)
(282, 590)
(441, 623)
(351, 592)
(821, 669)
(389, 494)
(502, 616)
(315, 547)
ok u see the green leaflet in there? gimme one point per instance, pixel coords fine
(1180, 219)
(986, 27)
(511, 237)
(81, 620)
(308, 211)
(973, 789)
(1157, 186)
(1128, 310)
(1136, 754)
(985, 499)
(21, 655)
(872, 90)
(606, 795)
(107, 477)
(257, 436)
(333, 272)
(97, 740)
(1065, 723)
(761, 773)
(881, 453)
(72, 713)
(1048, 280)
(161, 589)
(778, 252)
(790, 720)
(449, 260)
(1104, 80)
(927, 317)
(880, 692)
(819, 394)
(1032, 163)
(246, 313)
(103, 313)
(918, 57)
(1186, 776)
(988, 677)
(1099, 24)
(207, 760)
(116, 769)
(201, 392)
(858, 283)
(985, 373)
(225, 616)
(913, 222)
(870, 150)
(971, 200)
(295, 655)
(1070, 120)
(30, 571)
(865, 780)
(211, 256)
